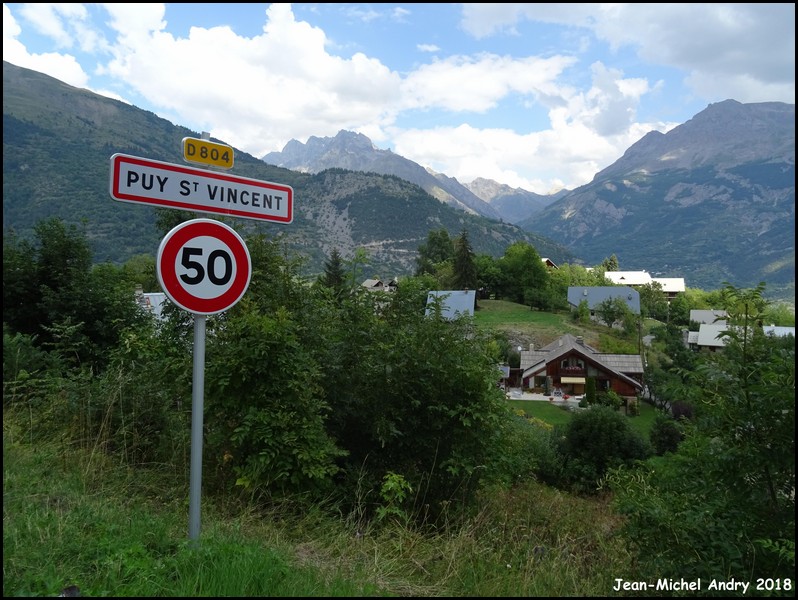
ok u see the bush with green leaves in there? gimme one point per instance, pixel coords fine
(595, 440)
(525, 450)
(666, 434)
(609, 399)
(726, 497)
(265, 407)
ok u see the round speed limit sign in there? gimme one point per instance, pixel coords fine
(203, 266)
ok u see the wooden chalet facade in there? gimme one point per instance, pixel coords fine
(568, 362)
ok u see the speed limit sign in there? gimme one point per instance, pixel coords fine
(203, 266)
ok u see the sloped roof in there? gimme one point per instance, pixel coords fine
(372, 283)
(595, 295)
(778, 331)
(454, 303)
(670, 284)
(707, 316)
(621, 365)
(628, 277)
(549, 262)
(708, 335)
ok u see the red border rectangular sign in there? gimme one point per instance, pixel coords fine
(157, 183)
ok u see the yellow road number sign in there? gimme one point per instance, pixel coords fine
(203, 152)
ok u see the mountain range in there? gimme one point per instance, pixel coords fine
(356, 152)
(713, 200)
(57, 145)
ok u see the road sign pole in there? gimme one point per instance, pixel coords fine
(197, 411)
(197, 414)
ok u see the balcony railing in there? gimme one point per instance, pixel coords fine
(572, 371)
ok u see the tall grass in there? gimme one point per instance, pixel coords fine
(77, 513)
(73, 517)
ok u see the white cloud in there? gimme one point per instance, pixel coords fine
(61, 66)
(257, 93)
(463, 83)
(730, 50)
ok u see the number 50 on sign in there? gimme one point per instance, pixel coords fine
(203, 266)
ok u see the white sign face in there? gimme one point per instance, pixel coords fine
(140, 180)
(203, 266)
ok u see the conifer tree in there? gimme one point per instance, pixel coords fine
(465, 269)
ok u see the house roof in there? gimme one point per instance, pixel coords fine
(670, 284)
(778, 331)
(549, 263)
(628, 277)
(708, 334)
(454, 303)
(372, 284)
(595, 295)
(707, 316)
(620, 365)
(152, 302)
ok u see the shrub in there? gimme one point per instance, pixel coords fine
(595, 440)
(666, 434)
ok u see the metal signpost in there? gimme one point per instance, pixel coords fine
(203, 265)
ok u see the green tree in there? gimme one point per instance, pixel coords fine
(582, 312)
(268, 417)
(590, 391)
(679, 310)
(439, 248)
(488, 273)
(733, 475)
(465, 269)
(334, 276)
(611, 310)
(653, 303)
(356, 264)
(141, 270)
(593, 441)
(665, 435)
(524, 276)
(409, 394)
(610, 264)
(55, 294)
(20, 286)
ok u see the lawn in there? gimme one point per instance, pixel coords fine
(522, 322)
(555, 415)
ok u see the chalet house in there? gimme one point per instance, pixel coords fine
(671, 286)
(549, 263)
(708, 316)
(595, 295)
(150, 302)
(777, 331)
(568, 362)
(378, 285)
(453, 303)
(708, 337)
(374, 285)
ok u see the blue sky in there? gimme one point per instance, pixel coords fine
(536, 96)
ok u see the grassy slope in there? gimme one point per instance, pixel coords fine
(525, 326)
(74, 516)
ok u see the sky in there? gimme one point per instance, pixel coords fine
(535, 96)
